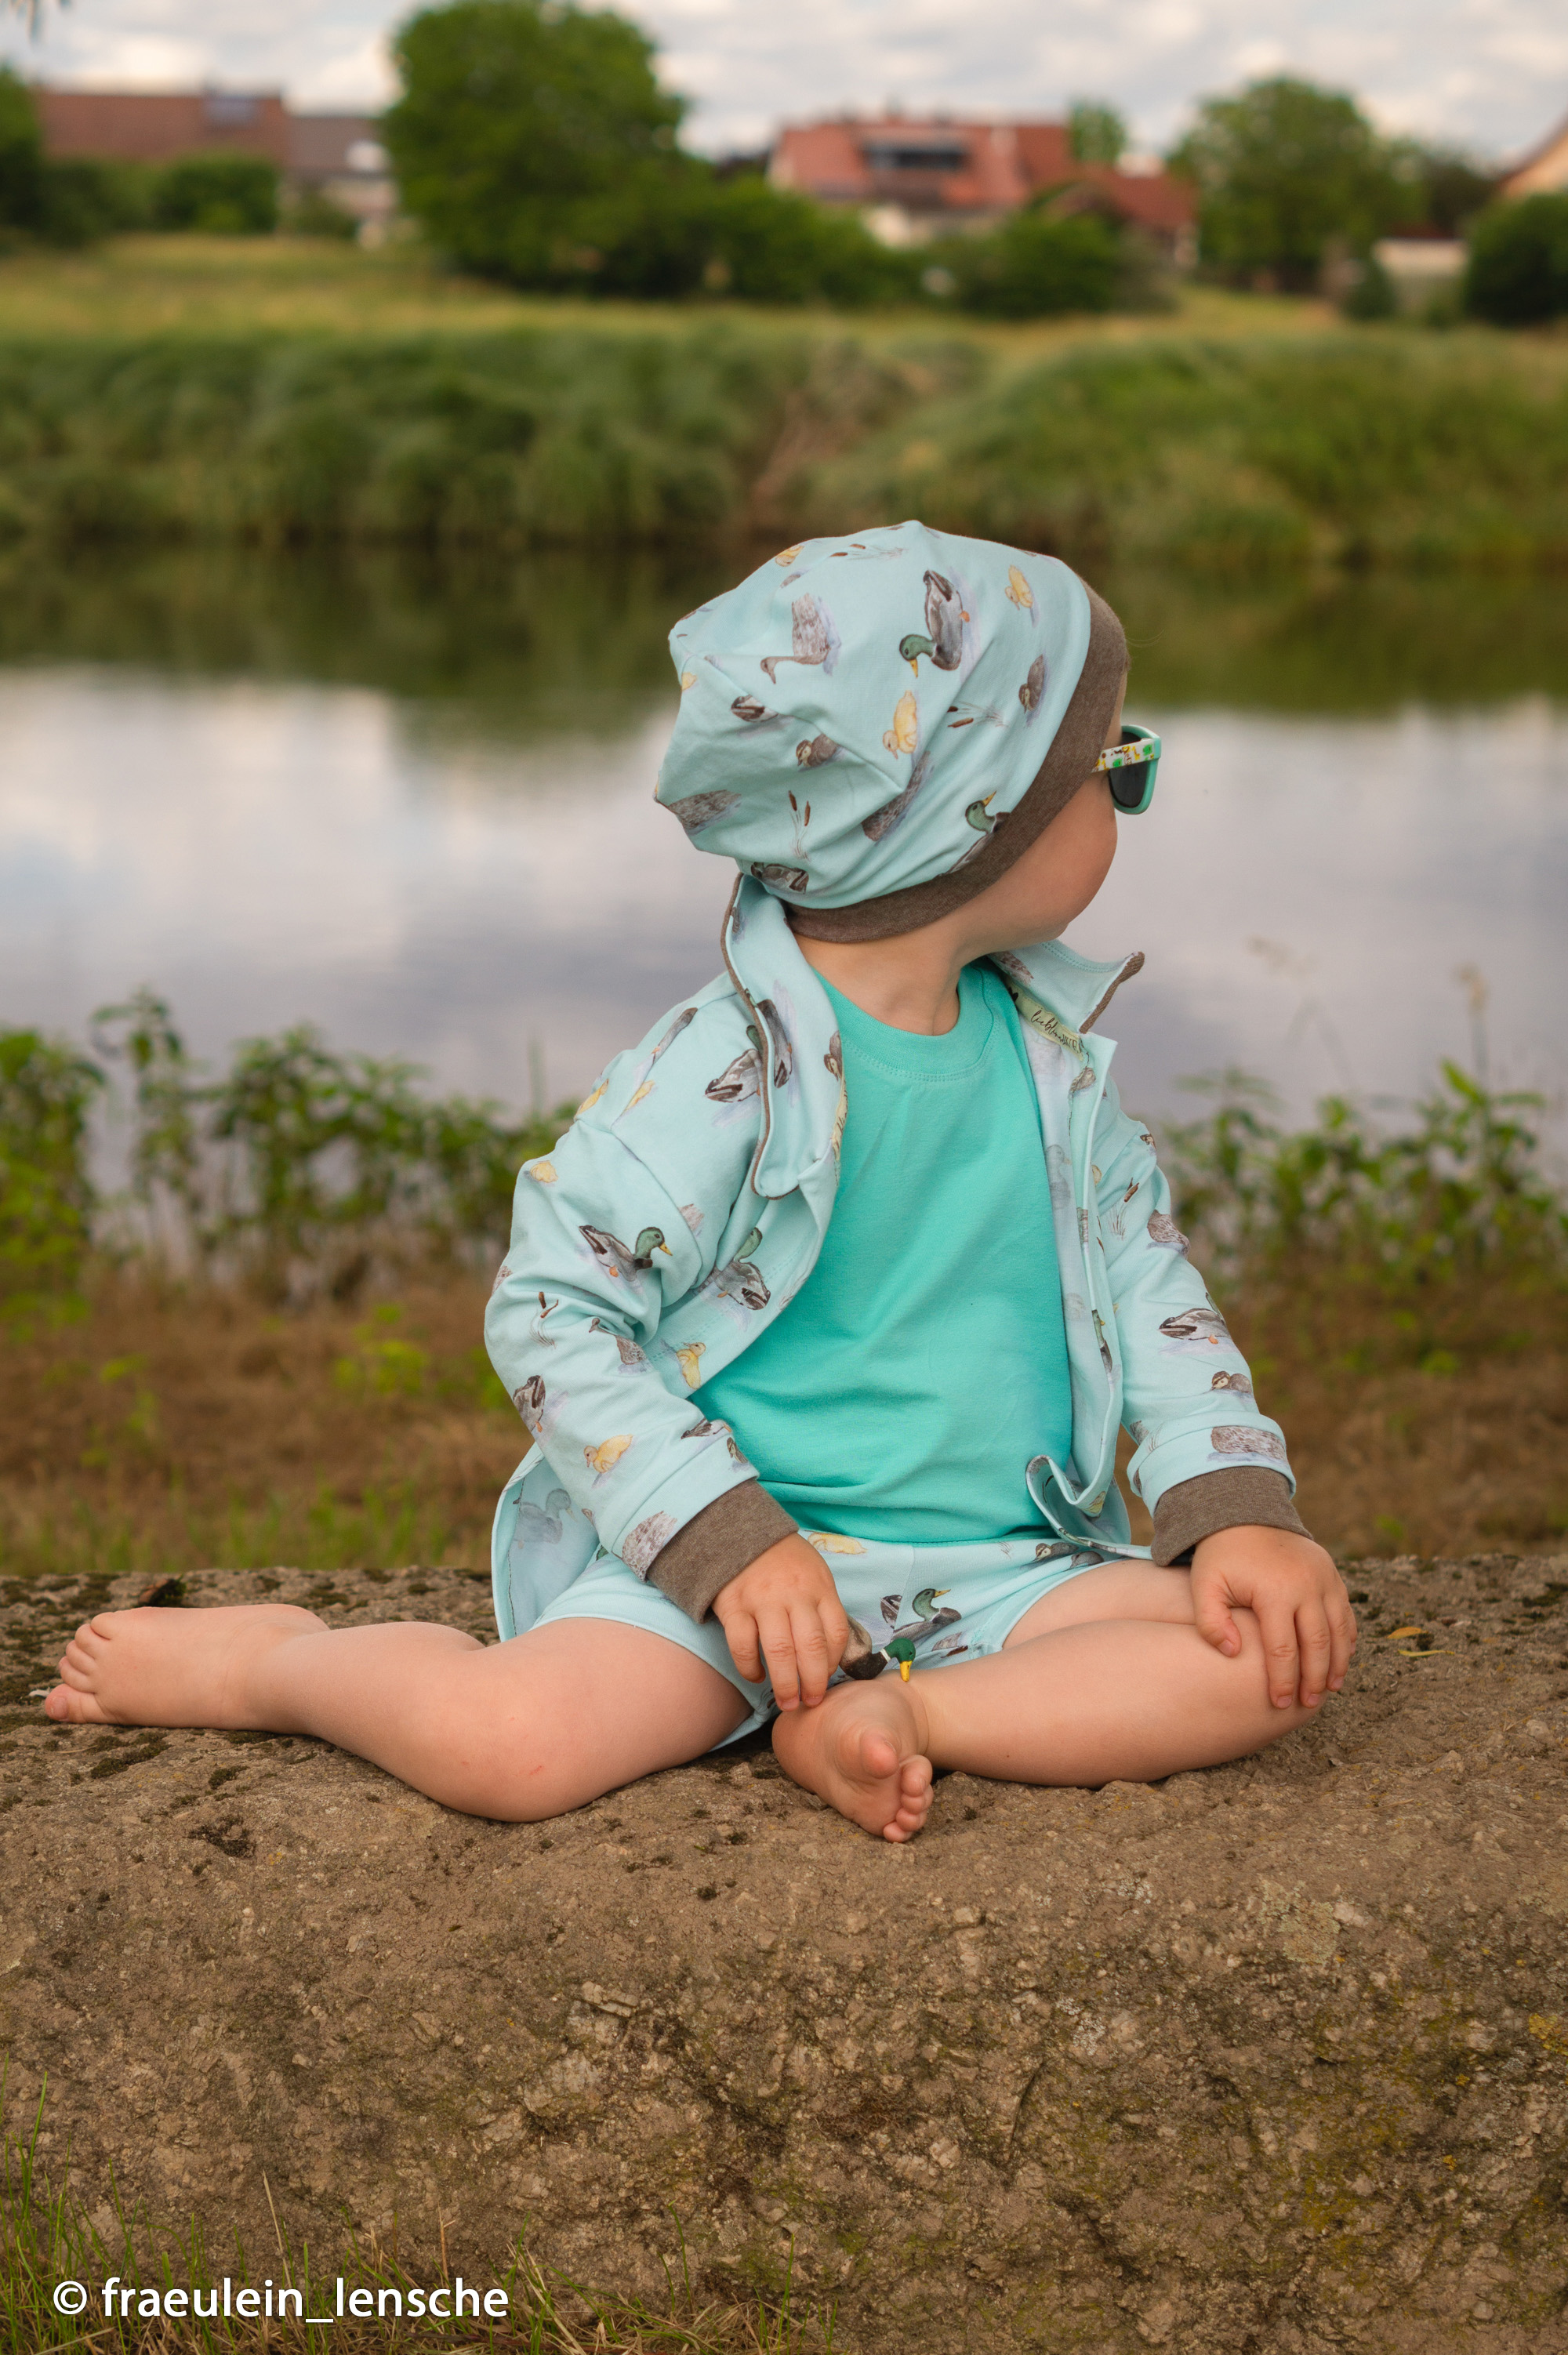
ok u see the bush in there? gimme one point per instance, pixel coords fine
(47, 1091)
(224, 195)
(84, 199)
(1034, 265)
(315, 215)
(21, 155)
(1371, 293)
(1518, 273)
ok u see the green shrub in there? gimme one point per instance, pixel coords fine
(1517, 272)
(224, 195)
(47, 1091)
(21, 155)
(1034, 265)
(1371, 293)
(315, 215)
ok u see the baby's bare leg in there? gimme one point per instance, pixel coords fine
(1105, 1679)
(518, 1731)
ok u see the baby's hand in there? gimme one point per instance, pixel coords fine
(1299, 1601)
(783, 1608)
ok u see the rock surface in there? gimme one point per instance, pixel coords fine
(1272, 2057)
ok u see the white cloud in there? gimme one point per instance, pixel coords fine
(1492, 74)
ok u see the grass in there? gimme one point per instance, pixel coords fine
(284, 392)
(48, 2239)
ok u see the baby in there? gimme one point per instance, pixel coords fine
(824, 1314)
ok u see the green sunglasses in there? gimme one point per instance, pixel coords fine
(1131, 767)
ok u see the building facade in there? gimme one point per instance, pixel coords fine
(913, 178)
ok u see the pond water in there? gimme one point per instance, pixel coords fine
(414, 807)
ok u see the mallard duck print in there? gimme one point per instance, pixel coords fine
(1197, 1325)
(633, 1358)
(754, 714)
(601, 1460)
(529, 1400)
(707, 1430)
(741, 1279)
(738, 1080)
(880, 824)
(834, 1058)
(642, 1547)
(978, 815)
(944, 619)
(899, 1645)
(1066, 1553)
(688, 1356)
(698, 810)
(1031, 694)
(1162, 1230)
(816, 752)
(1237, 1439)
(1239, 1385)
(642, 1077)
(780, 877)
(784, 1052)
(814, 640)
(542, 1524)
(613, 1256)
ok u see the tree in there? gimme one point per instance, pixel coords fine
(1034, 265)
(1281, 172)
(1096, 133)
(530, 133)
(1518, 273)
(21, 155)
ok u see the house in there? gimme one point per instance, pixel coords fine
(914, 178)
(1543, 171)
(338, 156)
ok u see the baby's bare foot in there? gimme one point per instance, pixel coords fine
(171, 1667)
(863, 1750)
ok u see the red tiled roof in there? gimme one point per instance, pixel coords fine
(152, 126)
(858, 161)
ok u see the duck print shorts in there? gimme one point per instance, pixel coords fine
(924, 1607)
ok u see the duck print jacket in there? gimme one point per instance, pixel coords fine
(685, 1207)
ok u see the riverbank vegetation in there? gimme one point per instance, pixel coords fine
(267, 1347)
(1354, 447)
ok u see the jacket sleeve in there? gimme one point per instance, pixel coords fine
(602, 1243)
(1206, 1458)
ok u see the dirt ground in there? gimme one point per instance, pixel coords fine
(1272, 2057)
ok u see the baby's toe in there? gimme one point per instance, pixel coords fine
(67, 1705)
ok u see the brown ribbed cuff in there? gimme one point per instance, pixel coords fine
(716, 1544)
(1235, 1499)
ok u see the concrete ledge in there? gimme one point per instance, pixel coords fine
(1270, 2058)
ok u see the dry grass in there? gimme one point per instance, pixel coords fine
(165, 1432)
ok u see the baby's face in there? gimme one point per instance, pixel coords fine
(1056, 877)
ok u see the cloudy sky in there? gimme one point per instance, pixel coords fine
(1490, 74)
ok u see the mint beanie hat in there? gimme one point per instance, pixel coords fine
(876, 727)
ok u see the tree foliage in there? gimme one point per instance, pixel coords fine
(1034, 265)
(1096, 133)
(1282, 170)
(1518, 274)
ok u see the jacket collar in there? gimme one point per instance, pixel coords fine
(793, 1020)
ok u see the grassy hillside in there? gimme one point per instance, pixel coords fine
(189, 391)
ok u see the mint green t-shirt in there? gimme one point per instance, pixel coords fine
(923, 1361)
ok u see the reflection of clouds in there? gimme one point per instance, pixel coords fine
(264, 853)
(1375, 858)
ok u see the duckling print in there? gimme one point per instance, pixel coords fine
(944, 619)
(1239, 1385)
(698, 810)
(601, 1460)
(541, 1172)
(1031, 694)
(816, 752)
(688, 1355)
(613, 1256)
(644, 1083)
(1018, 589)
(829, 1541)
(814, 640)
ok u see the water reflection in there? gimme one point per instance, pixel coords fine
(415, 806)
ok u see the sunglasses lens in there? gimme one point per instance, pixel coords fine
(1131, 789)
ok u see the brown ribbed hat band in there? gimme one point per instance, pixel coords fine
(1074, 749)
